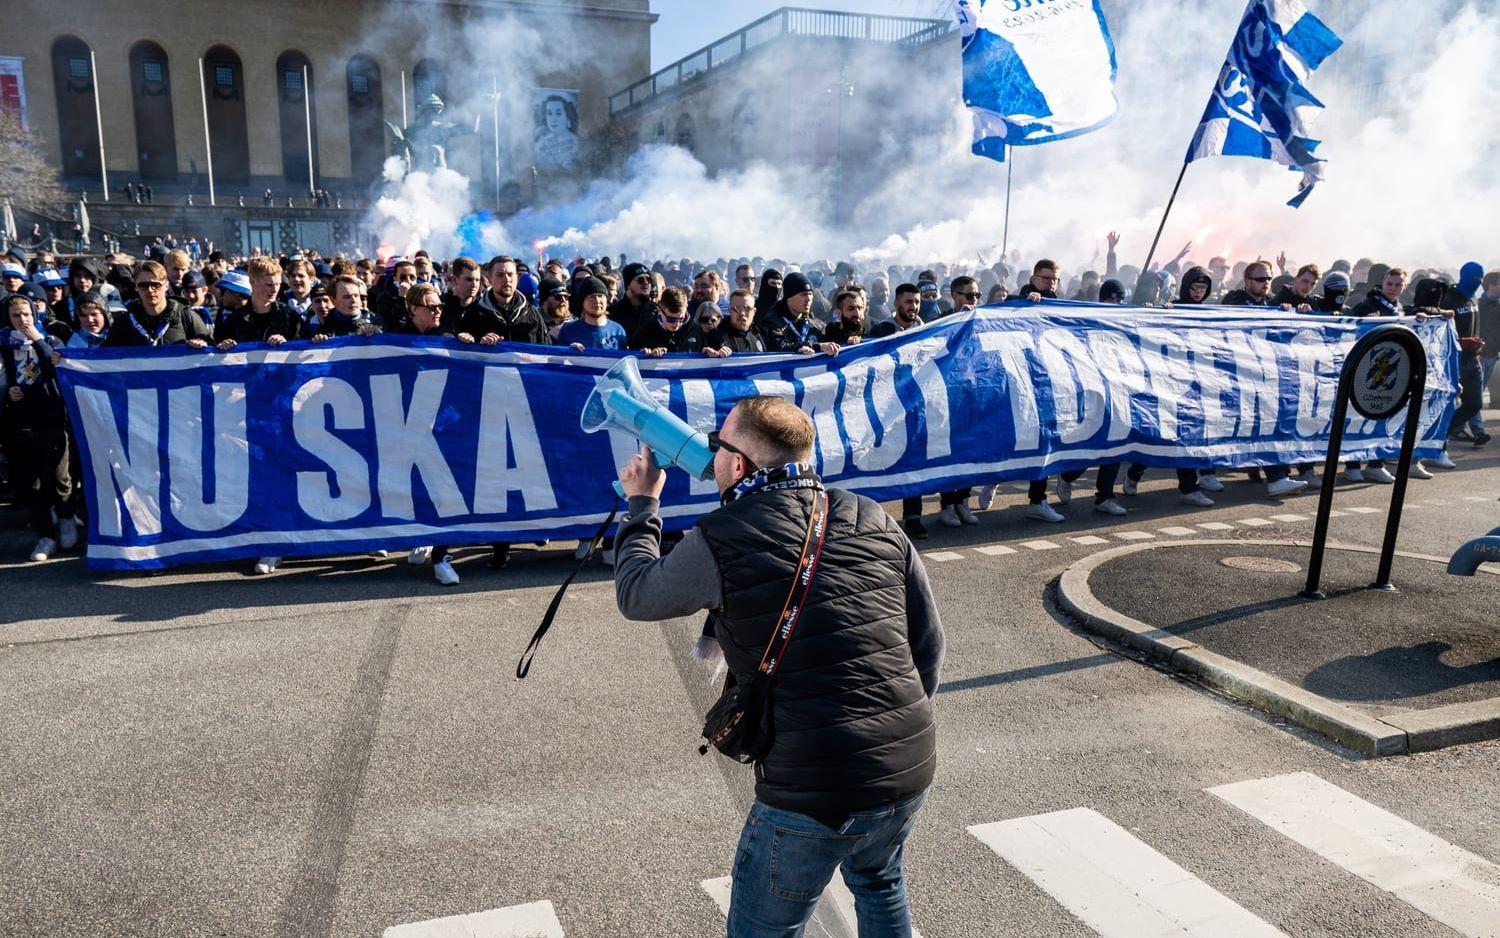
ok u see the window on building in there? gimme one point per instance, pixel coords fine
(291, 80)
(359, 84)
(152, 71)
(224, 76)
(259, 234)
(78, 67)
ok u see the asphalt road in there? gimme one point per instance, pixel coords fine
(342, 747)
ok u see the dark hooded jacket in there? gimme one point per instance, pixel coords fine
(782, 334)
(243, 325)
(1195, 275)
(516, 321)
(768, 296)
(131, 326)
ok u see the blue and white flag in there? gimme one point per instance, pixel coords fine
(1035, 72)
(1260, 103)
(389, 442)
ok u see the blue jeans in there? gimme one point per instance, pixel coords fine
(785, 859)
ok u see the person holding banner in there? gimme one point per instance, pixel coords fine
(857, 645)
(153, 318)
(265, 318)
(33, 428)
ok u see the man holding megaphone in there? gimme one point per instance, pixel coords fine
(833, 642)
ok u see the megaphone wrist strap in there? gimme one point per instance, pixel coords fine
(523, 667)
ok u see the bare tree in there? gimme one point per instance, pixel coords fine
(25, 177)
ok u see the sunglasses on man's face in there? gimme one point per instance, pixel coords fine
(149, 284)
(1259, 279)
(716, 443)
(969, 296)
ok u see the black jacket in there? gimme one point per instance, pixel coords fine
(629, 316)
(737, 341)
(853, 722)
(516, 321)
(1489, 324)
(1370, 306)
(651, 335)
(41, 403)
(840, 333)
(335, 325)
(1242, 298)
(1289, 297)
(132, 326)
(243, 325)
(779, 333)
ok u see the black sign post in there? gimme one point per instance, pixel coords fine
(1385, 371)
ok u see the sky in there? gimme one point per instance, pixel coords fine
(688, 25)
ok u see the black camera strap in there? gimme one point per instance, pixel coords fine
(807, 567)
(523, 667)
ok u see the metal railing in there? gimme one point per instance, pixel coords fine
(779, 24)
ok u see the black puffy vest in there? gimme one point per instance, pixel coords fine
(853, 727)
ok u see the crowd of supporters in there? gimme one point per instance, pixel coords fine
(719, 308)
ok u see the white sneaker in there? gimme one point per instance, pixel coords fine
(1109, 507)
(1314, 481)
(67, 533)
(267, 565)
(45, 547)
(418, 556)
(986, 497)
(1210, 483)
(1130, 486)
(1042, 511)
(1443, 461)
(1284, 487)
(965, 514)
(1419, 471)
(443, 571)
(1354, 475)
(1378, 474)
(608, 556)
(1196, 499)
(1064, 491)
(948, 518)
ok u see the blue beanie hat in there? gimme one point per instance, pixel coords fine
(234, 281)
(1470, 276)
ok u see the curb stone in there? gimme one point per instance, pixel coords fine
(1416, 731)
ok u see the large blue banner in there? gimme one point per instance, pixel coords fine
(392, 442)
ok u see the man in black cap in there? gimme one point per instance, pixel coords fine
(636, 307)
(192, 289)
(552, 299)
(789, 326)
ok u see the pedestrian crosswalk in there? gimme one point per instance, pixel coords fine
(1118, 885)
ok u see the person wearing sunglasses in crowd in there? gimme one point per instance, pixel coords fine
(737, 332)
(672, 329)
(153, 318)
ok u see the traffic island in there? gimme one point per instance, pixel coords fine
(1382, 672)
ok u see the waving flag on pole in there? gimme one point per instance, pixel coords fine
(1036, 74)
(1260, 105)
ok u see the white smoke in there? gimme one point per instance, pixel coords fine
(1412, 177)
(421, 210)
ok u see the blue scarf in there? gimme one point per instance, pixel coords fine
(792, 475)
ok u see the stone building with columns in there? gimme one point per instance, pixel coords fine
(179, 87)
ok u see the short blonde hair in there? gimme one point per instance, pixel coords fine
(179, 258)
(780, 426)
(260, 267)
(149, 267)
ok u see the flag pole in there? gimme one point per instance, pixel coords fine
(312, 182)
(1010, 171)
(99, 125)
(1162, 227)
(208, 140)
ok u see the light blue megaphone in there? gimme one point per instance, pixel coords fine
(621, 402)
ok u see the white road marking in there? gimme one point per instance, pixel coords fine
(1254, 522)
(1114, 883)
(1088, 539)
(1336, 513)
(1216, 526)
(1443, 881)
(1041, 545)
(721, 889)
(943, 556)
(1363, 510)
(995, 550)
(1289, 518)
(533, 920)
(1475, 498)
(1178, 532)
(1135, 535)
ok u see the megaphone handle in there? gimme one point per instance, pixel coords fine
(662, 462)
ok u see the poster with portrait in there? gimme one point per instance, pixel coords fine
(555, 140)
